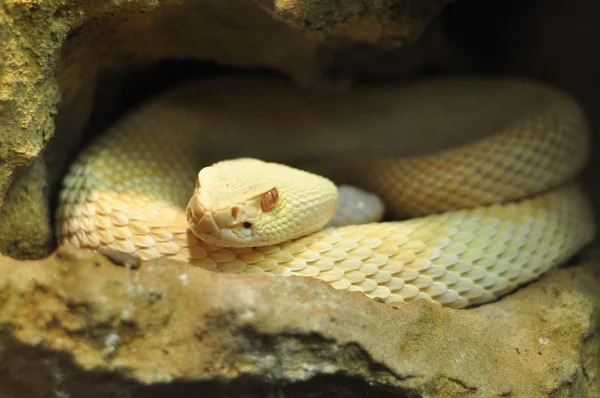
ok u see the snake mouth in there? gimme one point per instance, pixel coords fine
(227, 227)
(201, 223)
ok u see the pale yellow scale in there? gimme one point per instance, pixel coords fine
(128, 191)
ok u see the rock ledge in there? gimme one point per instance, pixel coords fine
(77, 323)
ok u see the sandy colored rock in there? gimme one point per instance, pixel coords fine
(77, 313)
(377, 22)
(26, 225)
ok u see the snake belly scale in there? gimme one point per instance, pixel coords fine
(485, 216)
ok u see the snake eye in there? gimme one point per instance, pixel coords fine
(269, 200)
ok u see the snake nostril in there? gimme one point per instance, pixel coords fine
(234, 212)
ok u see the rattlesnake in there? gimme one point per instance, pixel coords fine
(482, 170)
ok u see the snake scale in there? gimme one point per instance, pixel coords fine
(478, 177)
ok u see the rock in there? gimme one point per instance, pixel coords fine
(375, 22)
(26, 231)
(79, 325)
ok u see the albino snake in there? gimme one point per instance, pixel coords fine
(481, 169)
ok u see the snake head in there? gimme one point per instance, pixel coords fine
(247, 202)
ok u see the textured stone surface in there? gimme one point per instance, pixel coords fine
(387, 21)
(79, 324)
(26, 229)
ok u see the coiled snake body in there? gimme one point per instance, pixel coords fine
(482, 171)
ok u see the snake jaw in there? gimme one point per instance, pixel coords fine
(201, 223)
